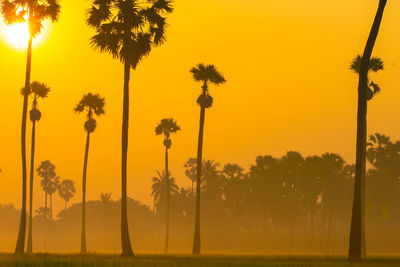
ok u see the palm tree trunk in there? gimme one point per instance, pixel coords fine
(125, 239)
(45, 204)
(168, 202)
(85, 162)
(357, 231)
(29, 248)
(196, 240)
(19, 248)
(51, 206)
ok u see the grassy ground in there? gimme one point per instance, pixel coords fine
(52, 260)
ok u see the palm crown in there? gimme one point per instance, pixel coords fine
(127, 29)
(33, 12)
(376, 64)
(93, 104)
(66, 189)
(160, 184)
(39, 90)
(206, 74)
(166, 127)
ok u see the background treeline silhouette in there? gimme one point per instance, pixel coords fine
(290, 204)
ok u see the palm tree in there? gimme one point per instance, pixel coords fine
(128, 29)
(39, 90)
(33, 13)
(375, 64)
(66, 191)
(93, 104)
(207, 75)
(46, 170)
(158, 191)
(167, 127)
(191, 170)
(357, 246)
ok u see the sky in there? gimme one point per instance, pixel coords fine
(288, 87)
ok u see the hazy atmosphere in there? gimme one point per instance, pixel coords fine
(278, 156)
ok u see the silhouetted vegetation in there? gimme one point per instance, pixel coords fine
(93, 105)
(207, 75)
(37, 90)
(288, 204)
(128, 30)
(363, 65)
(34, 13)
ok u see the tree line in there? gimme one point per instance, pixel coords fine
(128, 30)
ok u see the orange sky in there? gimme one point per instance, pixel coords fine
(289, 88)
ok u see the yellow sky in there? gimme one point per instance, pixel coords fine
(289, 88)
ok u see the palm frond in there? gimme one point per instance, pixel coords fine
(40, 89)
(11, 13)
(207, 73)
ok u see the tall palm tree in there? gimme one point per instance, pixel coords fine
(357, 246)
(34, 13)
(167, 127)
(93, 104)
(158, 191)
(39, 90)
(66, 191)
(128, 29)
(207, 74)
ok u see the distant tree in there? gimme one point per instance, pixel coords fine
(128, 30)
(357, 245)
(34, 13)
(166, 127)
(46, 170)
(37, 90)
(191, 170)
(66, 191)
(232, 171)
(93, 105)
(207, 75)
(43, 212)
(158, 191)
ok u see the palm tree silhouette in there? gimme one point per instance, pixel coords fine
(375, 64)
(191, 170)
(93, 104)
(158, 191)
(66, 191)
(207, 75)
(39, 90)
(127, 29)
(46, 170)
(33, 13)
(357, 246)
(167, 127)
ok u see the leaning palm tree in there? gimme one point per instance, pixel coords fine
(34, 13)
(357, 246)
(93, 104)
(66, 191)
(166, 128)
(38, 90)
(207, 74)
(128, 29)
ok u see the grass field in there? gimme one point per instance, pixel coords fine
(177, 261)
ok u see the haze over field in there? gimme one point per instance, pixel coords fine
(289, 88)
(283, 82)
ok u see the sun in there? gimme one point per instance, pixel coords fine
(17, 35)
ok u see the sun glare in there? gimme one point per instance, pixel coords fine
(17, 35)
